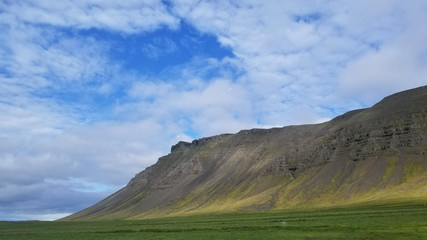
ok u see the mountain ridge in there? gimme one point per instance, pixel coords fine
(377, 153)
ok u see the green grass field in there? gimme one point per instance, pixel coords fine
(391, 221)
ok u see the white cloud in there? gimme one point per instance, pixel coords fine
(22, 216)
(51, 159)
(71, 170)
(397, 65)
(44, 217)
(35, 60)
(316, 52)
(206, 108)
(120, 16)
(159, 47)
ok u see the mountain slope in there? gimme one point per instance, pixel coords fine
(379, 153)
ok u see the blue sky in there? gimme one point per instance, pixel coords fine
(92, 92)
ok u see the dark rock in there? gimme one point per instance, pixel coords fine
(181, 145)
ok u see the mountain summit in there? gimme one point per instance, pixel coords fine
(373, 154)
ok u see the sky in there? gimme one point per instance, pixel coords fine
(94, 91)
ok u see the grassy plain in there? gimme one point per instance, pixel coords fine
(375, 221)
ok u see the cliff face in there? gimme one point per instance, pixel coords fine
(379, 153)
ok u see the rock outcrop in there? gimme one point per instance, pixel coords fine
(378, 153)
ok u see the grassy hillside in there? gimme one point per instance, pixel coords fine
(373, 154)
(393, 179)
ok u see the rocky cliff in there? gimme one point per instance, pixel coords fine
(373, 154)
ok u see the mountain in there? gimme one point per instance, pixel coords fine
(373, 154)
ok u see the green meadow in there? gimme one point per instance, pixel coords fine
(387, 221)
